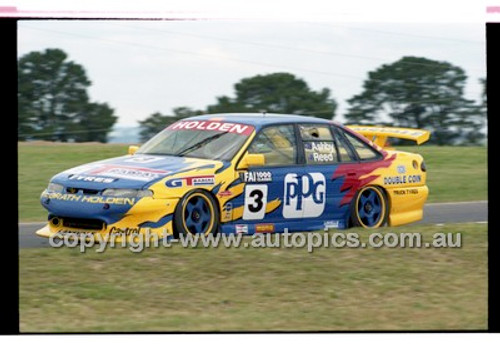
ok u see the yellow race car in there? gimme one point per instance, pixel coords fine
(244, 173)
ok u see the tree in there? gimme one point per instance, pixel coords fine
(420, 93)
(484, 99)
(157, 122)
(478, 136)
(100, 117)
(276, 93)
(53, 102)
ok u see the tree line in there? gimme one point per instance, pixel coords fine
(416, 92)
(53, 102)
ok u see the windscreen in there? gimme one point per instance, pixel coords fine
(205, 139)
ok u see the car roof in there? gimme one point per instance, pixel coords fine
(261, 119)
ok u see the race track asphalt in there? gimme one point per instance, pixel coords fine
(438, 213)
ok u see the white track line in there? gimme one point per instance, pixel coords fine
(445, 223)
(457, 203)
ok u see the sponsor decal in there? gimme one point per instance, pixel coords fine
(206, 125)
(89, 199)
(241, 228)
(255, 201)
(94, 179)
(124, 231)
(257, 176)
(305, 195)
(331, 225)
(225, 193)
(401, 169)
(74, 232)
(405, 191)
(264, 228)
(392, 130)
(402, 179)
(129, 172)
(191, 181)
(143, 159)
(227, 212)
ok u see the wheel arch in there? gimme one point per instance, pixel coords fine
(205, 191)
(353, 203)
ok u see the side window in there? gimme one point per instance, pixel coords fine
(319, 147)
(277, 144)
(364, 151)
(345, 153)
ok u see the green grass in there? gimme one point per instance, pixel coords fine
(230, 289)
(454, 173)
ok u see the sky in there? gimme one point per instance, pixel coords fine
(141, 67)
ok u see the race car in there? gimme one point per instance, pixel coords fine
(244, 173)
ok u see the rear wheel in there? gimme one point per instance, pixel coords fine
(196, 213)
(370, 208)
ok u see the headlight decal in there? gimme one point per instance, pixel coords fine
(55, 188)
(127, 193)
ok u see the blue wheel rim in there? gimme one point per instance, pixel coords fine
(370, 207)
(197, 215)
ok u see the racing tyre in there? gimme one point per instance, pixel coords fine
(196, 213)
(369, 208)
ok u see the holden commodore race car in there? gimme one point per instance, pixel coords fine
(244, 173)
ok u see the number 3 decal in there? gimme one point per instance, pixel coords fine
(255, 201)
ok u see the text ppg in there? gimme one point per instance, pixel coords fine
(304, 195)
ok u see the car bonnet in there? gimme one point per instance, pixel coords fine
(130, 171)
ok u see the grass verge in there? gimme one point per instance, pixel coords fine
(259, 289)
(455, 173)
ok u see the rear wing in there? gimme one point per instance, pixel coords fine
(379, 135)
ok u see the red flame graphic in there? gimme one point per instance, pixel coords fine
(353, 173)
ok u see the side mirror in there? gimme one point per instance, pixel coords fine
(132, 149)
(251, 160)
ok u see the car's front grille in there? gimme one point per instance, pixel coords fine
(73, 190)
(82, 223)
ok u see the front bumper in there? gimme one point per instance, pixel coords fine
(115, 235)
(72, 214)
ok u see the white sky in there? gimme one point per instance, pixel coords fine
(141, 67)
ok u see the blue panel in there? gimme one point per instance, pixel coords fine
(309, 198)
(161, 222)
(109, 213)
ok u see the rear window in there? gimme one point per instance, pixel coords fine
(364, 151)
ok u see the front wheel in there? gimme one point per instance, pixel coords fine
(196, 213)
(369, 209)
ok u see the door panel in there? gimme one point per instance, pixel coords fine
(288, 194)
